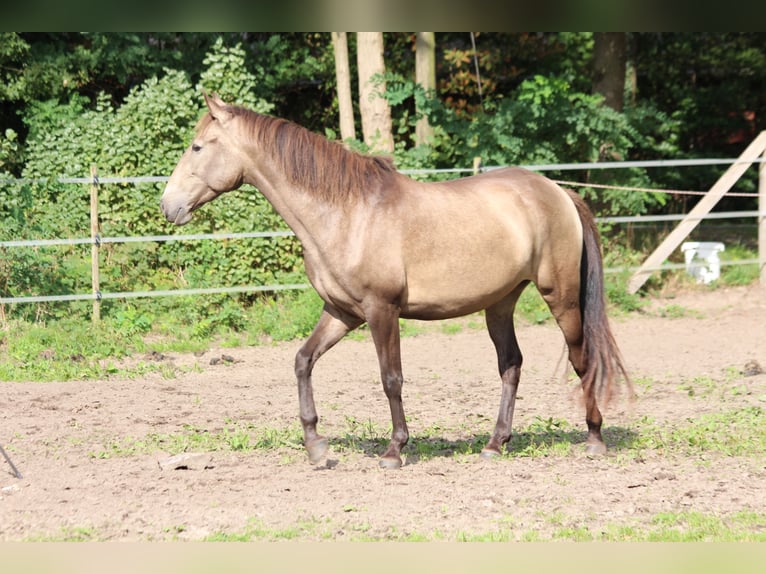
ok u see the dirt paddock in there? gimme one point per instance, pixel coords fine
(687, 354)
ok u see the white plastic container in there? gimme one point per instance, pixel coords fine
(702, 260)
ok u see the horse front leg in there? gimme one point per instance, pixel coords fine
(509, 359)
(384, 327)
(332, 326)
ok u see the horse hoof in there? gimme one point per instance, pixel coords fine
(595, 449)
(390, 463)
(489, 454)
(317, 450)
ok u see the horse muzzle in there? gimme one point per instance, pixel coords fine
(178, 214)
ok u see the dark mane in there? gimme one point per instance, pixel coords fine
(315, 164)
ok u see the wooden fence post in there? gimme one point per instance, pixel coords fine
(95, 245)
(762, 220)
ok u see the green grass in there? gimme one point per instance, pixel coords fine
(235, 437)
(532, 308)
(688, 526)
(256, 531)
(64, 350)
(68, 534)
(740, 274)
(679, 527)
(738, 432)
(75, 349)
(735, 432)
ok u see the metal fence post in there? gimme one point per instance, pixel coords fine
(96, 243)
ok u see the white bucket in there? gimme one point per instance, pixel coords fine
(702, 261)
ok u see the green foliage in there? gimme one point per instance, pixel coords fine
(9, 152)
(738, 273)
(13, 51)
(145, 135)
(227, 75)
(546, 121)
(292, 315)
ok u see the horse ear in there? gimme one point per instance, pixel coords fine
(216, 106)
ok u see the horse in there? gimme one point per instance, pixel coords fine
(379, 246)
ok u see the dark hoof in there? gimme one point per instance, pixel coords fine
(595, 449)
(390, 463)
(317, 450)
(489, 454)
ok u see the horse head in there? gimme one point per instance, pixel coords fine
(210, 166)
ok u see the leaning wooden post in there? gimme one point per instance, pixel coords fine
(95, 244)
(762, 219)
(698, 212)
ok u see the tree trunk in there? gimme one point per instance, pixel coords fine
(609, 57)
(374, 109)
(343, 79)
(425, 75)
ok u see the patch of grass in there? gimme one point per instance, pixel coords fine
(693, 527)
(739, 274)
(235, 437)
(256, 531)
(76, 349)
(700, 386)
(616, 290)
(686, 526)
(545, 437)
(68, 534)
(663, 527)
(290, 316)
(452, 328)
(532, 307)
(738, 432)
(409, 328)
(362, 437)
(65, 350)
(675, 311)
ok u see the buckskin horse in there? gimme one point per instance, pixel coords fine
(378, 246)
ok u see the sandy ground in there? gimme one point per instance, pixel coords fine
(78, 484)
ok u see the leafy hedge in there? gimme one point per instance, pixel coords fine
(144, 136)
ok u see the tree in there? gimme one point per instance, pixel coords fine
(425, 75)
(343, 79)
(609, 55)
(373, 107)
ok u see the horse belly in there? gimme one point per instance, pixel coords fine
(450, 287)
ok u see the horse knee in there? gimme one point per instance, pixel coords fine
(303, 364)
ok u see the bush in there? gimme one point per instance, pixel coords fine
(545, 122)
(146, 135)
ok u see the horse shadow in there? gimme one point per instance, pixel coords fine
(548, 440)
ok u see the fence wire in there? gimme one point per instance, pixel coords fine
(98, 240)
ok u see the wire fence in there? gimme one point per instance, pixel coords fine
(97, 240)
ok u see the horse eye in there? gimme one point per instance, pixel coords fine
(196, 147)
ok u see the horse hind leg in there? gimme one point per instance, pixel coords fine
(565, 307)
(331, 328)
(499, 320)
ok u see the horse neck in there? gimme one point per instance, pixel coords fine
(303, 212)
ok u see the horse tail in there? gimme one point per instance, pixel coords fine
(604, 364)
